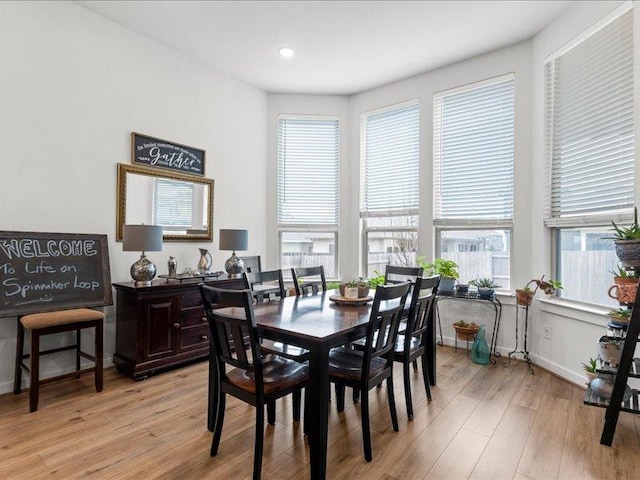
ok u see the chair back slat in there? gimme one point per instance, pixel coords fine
(396, 274)
(231, 332)
(382, 330)
(262, 278)
(304, 285)
(422, 299)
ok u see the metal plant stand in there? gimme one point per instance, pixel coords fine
(515, 351)
(493, 303)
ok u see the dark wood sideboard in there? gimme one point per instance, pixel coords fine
(162, 325)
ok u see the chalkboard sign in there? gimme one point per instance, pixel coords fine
(156, 152)
(52, 271)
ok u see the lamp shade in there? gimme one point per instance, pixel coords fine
(234, 239)
(141, 238)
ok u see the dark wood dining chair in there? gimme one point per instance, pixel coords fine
(396, 274)
(412, 344)
(263, 292)
(303, 284)
(364, 369)
(265, 285)
(255, 379)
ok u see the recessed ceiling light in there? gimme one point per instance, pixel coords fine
(286, 52)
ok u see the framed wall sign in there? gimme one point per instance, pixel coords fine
(155, 152)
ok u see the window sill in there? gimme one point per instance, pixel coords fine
(591, 314)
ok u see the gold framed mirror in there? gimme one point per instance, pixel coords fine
(181, 203)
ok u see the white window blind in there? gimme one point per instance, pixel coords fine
(308, 171)
(474, 153)
(389, 158)
(589, 135)
(173, 203)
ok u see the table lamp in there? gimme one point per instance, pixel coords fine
(142, 238)
(234, 240)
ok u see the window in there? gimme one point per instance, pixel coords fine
(308, 152)
(389, 160)
(473, 177)
(589, 153)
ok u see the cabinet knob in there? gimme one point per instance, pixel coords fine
(204, 337)
(176, 326)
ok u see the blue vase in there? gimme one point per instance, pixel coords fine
(480, 349)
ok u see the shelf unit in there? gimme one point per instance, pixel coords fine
(628, 367)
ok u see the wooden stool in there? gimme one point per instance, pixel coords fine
(55, 322)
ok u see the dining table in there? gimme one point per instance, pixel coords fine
(318, 324)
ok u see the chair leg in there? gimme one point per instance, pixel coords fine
(257, 456)
(297, 400)
(78, 341)
(34, 371)
(356, 395)
(271, 412)
(217, 431)
(340, 391)
(17, 379)
(407, 389)
(425, 376)
(99, 353)
(415, 365)
(366, 430)
(392, 403)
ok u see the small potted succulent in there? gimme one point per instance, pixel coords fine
(486, 287)
(625, 285)
(620, 316)
(464, 330)
(590, 369)
(610, 350)
(357, 288)
(627, 242)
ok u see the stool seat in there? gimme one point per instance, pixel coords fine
(47, 323)
(50, 319)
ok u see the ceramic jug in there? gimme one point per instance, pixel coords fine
(204, 264)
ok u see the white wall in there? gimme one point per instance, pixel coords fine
(73, 86)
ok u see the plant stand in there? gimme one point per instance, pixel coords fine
(493, 303)
(525, 351)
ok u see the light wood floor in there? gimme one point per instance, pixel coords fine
(484, 422)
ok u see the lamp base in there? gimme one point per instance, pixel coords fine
(143, 271)
(234, 266)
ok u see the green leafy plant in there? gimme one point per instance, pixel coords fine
(376, 280)
(440, 266)
(590, 366)
(484, 283)
(358, 283)
(631, 232)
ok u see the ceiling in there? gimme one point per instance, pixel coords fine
(341, 47)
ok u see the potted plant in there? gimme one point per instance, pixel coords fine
(625, 285)
(465, 331)
(620, 316)
(627, 242)
(610, 350)
(486, 287)
(376, 280)
(590, 369)
(447, 269)
(357, 288)
(525, 295)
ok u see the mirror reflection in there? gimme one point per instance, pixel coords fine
(182, 204)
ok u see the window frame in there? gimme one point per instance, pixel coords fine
(307, 227)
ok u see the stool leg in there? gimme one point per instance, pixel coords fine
(98, 355)
(78, 339)
(34, 371)
(17, 379)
